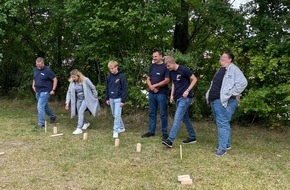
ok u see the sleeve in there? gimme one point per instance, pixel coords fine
(92, 87)
(240, 83)
(68, 94)
(124, 89)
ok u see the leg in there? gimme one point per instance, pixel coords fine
(162, 102)
(223, 124)
(42, 99)
(231, 108)
(50, 113)
(188, 123)
(117, 112)
(181, 108)
(81, 107)
(152, 112)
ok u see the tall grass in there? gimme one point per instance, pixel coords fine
(259, 159)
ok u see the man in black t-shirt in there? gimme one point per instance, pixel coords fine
(44, 84)
(183, 80)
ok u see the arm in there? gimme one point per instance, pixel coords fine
(162, 83)
(54, 85)
(124, 91)
(172, 93)
(193, 81)
(68, 97)
(33, 85)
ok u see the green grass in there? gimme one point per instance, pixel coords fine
(259, 159)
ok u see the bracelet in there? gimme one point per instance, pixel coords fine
(188, 90)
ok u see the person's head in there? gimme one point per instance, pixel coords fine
(157, 56)
(226, 58)
(170, 63)
(39, 63)
(76, 76)
(113, 67)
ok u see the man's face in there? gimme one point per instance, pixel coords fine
(156, 57)
(113, 69)
(170, 66)
(225, 60)
(39, 65)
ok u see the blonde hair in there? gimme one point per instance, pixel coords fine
(77, 73)
(169, 59)
(113, 63)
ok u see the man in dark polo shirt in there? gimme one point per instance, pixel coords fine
(157, 81)
(44, 84)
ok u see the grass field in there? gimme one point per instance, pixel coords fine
(259, 158)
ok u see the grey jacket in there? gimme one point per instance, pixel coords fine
(234, 83)
(90, 94)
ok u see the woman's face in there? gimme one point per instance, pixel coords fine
(75, 78)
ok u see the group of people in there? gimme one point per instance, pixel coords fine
(222, 96)
(81, 95)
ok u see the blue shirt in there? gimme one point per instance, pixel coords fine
(116, 86)
(157, 73)
(181, 81)
(43, 79)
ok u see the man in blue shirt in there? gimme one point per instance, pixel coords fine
(157, 81)
(44, 84)
(183, 80)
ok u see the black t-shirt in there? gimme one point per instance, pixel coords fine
(157, 73)
(214, 92)
(43, 79)
(181, 81)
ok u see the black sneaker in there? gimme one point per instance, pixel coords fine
(167, 143)
(148, 134)
(189, 141)
(53, 120)
(164, 137)
(39, 126)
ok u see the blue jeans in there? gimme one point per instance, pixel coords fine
(81, 108)
(223, 118)
(181, 114)
(116, 109)
(42, 108)
(156, 100)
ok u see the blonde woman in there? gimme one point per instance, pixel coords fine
(81, 95)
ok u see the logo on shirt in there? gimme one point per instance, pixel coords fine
(158, 74)
(42, 74)
(117, 80)
(178, 77)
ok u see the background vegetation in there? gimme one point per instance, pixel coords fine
(86, 34)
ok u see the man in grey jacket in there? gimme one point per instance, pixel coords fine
(223, 96)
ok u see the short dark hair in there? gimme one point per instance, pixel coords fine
(230, 54)
(158, 51)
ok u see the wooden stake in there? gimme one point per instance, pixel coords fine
(138, 147)
(45, 126)
(180, 152)
(117, 142)
(85, 136)
(55, 135)
(1, 153)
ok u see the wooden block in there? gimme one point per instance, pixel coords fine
(1, 153)
(117, 142)
(183, 177)
(138, 147)
(54, 130)
(56, 135)
(186, 182)
(85, 136)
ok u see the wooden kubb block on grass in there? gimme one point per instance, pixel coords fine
(185, 179)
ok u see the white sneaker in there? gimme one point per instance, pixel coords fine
(115, 135)
(85, 126)
(77, 131)
(122, 130)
